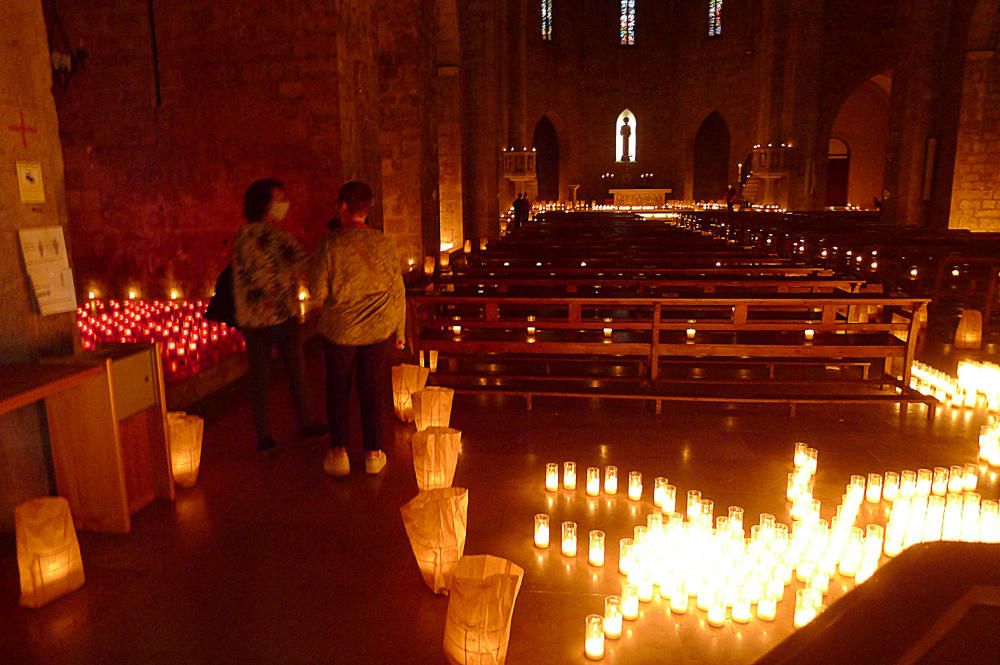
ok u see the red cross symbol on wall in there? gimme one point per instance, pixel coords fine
(23, 130)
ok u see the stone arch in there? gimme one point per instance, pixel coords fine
(545, 140)
(626, 117)
(711, 159)
(862, 122)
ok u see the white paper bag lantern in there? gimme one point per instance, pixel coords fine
(406, 380)
(48, 554)
(969, 334)
(432, 407)
(477, 626)
(186, 434)
(435, 523)
(435, 456)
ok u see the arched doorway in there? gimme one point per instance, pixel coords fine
(546, 143)
(626, 137)
(711, 159)
(838, 171)
(855, 177)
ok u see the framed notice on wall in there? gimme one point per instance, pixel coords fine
(44, 252)
(29, 182)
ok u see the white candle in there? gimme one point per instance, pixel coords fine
(634, 485)
(611, 480)
(569, 539)
(625, 556)
(742, 611)
(890, 486)
(531, 330)
(541, 531)
(608, 332)
(873, 492)
(717, 614)
(596, 557)
(594, 639)
(630, 602)
(552, 476)
(593, 481)
(691, 332)
(659, 491)
(679, 599)
(810, 334)
(456, 330)
(807, 604)
(569, 475)
(767, 608)
(613, 617)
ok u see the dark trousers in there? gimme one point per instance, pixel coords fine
(260, 343)
(370, 363)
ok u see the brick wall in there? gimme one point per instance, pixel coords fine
(976, 188)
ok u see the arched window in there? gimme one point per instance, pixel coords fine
(627, 24)
(625, 137)
(546, 24)
(714, 18)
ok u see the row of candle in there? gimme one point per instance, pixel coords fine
(989, 442)
(977, 384)
(664, 494)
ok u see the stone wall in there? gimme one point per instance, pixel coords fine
(976, 189)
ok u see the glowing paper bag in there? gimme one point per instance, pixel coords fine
(406, 380)
(48, 554)
(435, 456)
(432, 407)
(969, 334)
(477, 626)
(435, 523)
(185, 447)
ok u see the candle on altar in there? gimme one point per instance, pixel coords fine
(596, 557)
(593, 481)
(970, 477)
(594, 639)
(552, 476)
(541, 531)
(634, 485)
(669, 499)
(611, 480)
(873, 493)
(569, 539)
(569, 475)
(613, 617)
(630, 601)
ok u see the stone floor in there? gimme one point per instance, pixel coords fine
(269, 561)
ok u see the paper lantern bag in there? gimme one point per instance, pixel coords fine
(477, 626)
(48, 554)
(969, 334)
(435, 456)
(186, 434)
(432, 407)
(406, 380)
(435, 523)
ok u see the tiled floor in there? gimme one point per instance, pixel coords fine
(269, 561)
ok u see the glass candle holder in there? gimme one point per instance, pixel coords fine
(873, 492)
(679, 598)
(669, 499)
(924, 479)
(736, 520)
(456, 330)
(594, 639)
(799, 459)
(742, 611)
(807, 606)
(569, 539)
(659, 488)
(634, 485)
(767, 609)
(551, 476)
(970, 477)
(812, 460)
(630, 601)
(608, 332)
(541, 531)
(569, 475)
(890, 486)
(593, 481)
(956, 479)
(939, 482)
(691, 332)
(625, 556)
(707, 513)
(907, 484)
(810, 334)
(717, 613)
(611, 480)
(596, 556)
(693, 504)
(613, 617)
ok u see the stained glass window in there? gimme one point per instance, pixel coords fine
(714, 18)
(546, 20)
(627, 27)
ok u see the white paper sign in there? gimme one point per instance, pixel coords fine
(44, 252)
(29, 182)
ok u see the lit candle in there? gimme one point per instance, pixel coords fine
(634, 485)
(807, 604)
(767, 609)
(693, 505)
(483, 243)
(810, 334)
(569, 475)
(679, 598)
(970, 477)
(569, 538)
(456, 330)
(907, 484)
(531, 330)
(691, 333)
(611, 480)
(890, 486)
(625, 556)
(596, 557)
(593, 481)
(541, 531)
(800, 454)
(939, 484)
(924, 478)
(429, 266)
(444, 260)
(613, 617)
(594, 640)
(607, 332)
(669, 499)
(956, 479)
(659, 491)
(467, 246)
(716, 613)
(873, 493)
(552, 476)
(630, 601)
(742, 610)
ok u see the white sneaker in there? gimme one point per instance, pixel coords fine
(374, 462)
(337, 463)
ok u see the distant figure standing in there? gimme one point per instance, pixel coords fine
(358, 280)
(517, 210)
(626, 134)
(267, 262)
(525, 210)
(730, 197)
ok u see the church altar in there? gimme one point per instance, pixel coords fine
(646, 196)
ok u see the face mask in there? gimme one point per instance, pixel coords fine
(279, 209)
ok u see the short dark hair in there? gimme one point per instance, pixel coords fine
(357, 195)
(258, 197)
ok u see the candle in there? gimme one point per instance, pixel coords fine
(970, 477)
(569, 475)
(444, 260)
(691, 333)
(742, 610)
(613, 617)
(767, 608)
(593, 481)
(716, 613)
(483, 243)
(810, 334)
(924, 477)
(807, 604)
(531, 330)
(669, 499)
(659, 491)
(800, 454)
(467, 246)
(890, 486)
(552, 476)
(596, 557)
(956, 479)
(569, 539)
(625, 556)
(611, 480)
(907, 484)
(594, 639)
(873, 493)
(608, 332)
(643, 585)
(429, 266)
(630, 601)
(634, 485)
(679, 598)
(939, 484)
(456, 330)
(541, 531)
(693, 505)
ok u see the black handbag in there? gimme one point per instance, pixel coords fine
(222, 306)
